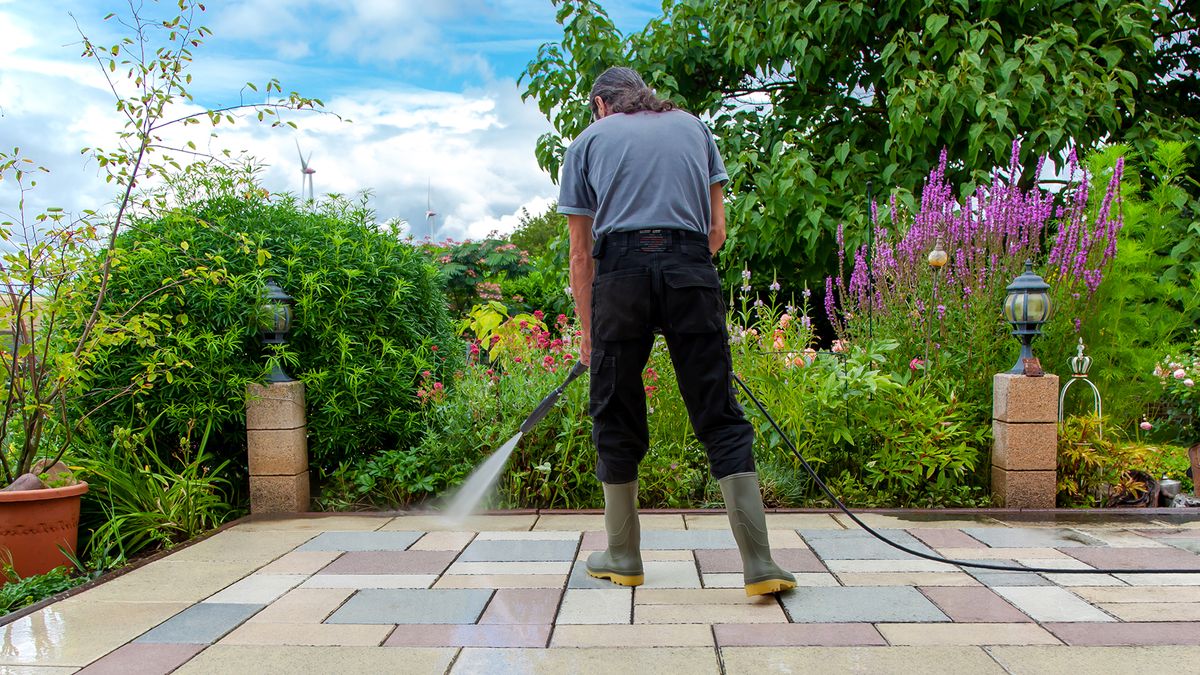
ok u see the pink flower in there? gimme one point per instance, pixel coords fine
(1188, 383)
(1180, 373)
(916, 363)
(839, 346)
(437, 386)
(785, 320)
(426, 373)
(538, 314)
(1146, 426)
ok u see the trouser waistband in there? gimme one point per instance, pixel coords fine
(649, 240)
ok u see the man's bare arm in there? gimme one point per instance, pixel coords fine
(581, 272)
(716, 230)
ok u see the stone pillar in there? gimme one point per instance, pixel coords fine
(277, 448)
(1025, 440)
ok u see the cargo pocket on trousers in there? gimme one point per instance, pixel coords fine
(621, 304)
(693, 302)
(603, 381)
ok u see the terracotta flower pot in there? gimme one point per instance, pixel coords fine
(35, 523)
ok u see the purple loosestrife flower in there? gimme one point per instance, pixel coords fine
(830, 303)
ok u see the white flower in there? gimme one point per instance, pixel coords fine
(745, 288)
(774, 286)
(1188, 383)
(567, 290)
(746, 274)
(758, 303)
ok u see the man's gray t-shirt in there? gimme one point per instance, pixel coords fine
(640, 171)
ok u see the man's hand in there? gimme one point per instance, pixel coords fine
(585, 350)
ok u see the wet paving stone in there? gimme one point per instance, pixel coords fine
(797, 635)
(143, 658)
(448, 635)
(946, 538)
(974, 605)
(1032, 537)
(518, 551)
(361, 541)
(203, 624)
(725, 561)
(523, 606)
(996, 578)
(861, 545)
(687, 539)
(413, 606)
(391, 562)
(1138, 558)
(861, 604)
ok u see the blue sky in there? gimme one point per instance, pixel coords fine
(429, 84)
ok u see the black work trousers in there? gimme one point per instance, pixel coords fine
(661, 281)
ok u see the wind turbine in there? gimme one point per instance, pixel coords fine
(430, 214)
(306, 173)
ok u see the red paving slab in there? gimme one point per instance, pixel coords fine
(529, 606)
(424, 635)
(1127, 634)
(729, 561)
(969, 604)
(796, 635)
(946, 538)
(391, 562)
(1135, 558)
(594, 541)
(144, 659)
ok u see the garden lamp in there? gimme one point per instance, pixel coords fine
(938, 256)
(1026, 307)
(277, 315)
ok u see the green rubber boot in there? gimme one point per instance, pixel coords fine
(622, 562)
(743, 502)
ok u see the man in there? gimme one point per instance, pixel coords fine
(641, 188)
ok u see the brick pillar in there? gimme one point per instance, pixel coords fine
(277, 448)
(1025, 440)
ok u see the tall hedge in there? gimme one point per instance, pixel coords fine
(370, 318)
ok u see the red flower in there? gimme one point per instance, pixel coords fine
(538, 314)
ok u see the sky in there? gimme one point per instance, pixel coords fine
(429, 86)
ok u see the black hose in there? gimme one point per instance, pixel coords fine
(936, 558)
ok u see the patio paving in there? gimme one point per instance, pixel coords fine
(508, 593)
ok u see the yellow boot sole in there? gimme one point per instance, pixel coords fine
(619, 579)
(769, 586)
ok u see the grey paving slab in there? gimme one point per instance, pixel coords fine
(518, 551)
(869, 604)
(203, 624)
(862, 546)
(1032, 537)
(994, 578)
(412, 605)
(361, 541)
(579, 578)
(1192, 545)
(687, 539)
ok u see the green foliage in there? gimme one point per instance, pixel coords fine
(1179, 375)
(535, 234)
(369, 317)
(811, 102)
(1096, 462)
(140, 499)
(24, 592)
(472, 271)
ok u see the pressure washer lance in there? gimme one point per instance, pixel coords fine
(936, 558)
(547, 403)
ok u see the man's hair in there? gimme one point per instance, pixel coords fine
(624, 91)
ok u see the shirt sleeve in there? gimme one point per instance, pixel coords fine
(716, 167)
(575, 196)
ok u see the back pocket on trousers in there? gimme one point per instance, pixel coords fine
(621, 304)
(693, 299)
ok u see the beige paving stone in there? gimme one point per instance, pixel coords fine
(314, 524)
(535, 535)
(868, 566)
(877, 520)
(162, 581)
(677, 635)
(588, 661)
(556, 567)
(1121, 539)
(289, 660)
(501, 581)
(917, 634)
(722, 580)
(299, 562)
(703, 596)
(74, 632)
(595, 606)
(314, 634)
(303, 605)
(1139, 594)
(443, 541)
(258, 589)
(670, 574)
(786, 539)
(1035, 660)
(680, 555)
(1181, 579)
(908, 579)
(594, 522)
(709, 614)
(859, 660)
(370, 581)
(775, 522)
(1055, 563)
(1067, 579)
(236, 545)
(1154, 611)
(1003, 554)
(37, 670)
(436, 523)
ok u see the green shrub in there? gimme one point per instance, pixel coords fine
(24, 592)
(369, 318)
